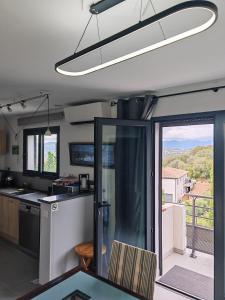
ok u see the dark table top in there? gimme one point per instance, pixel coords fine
(98, 288)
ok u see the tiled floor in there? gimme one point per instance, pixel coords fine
(17, 271)
(203, 264)
(162, 293)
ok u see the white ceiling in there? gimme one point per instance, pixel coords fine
(35, 34)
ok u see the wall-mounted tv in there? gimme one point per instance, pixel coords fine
(82, 154)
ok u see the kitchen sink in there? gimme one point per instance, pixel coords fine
(24, 192)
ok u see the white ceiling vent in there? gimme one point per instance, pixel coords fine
(86, 113)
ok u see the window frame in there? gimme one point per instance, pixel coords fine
(40, 132)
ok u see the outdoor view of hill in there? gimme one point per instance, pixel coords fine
(50, 156)
(198, 162)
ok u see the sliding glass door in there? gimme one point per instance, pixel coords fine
(123, 202)
(201, 203)
(186, 206)
(219, 192)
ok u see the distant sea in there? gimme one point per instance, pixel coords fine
(185, 144)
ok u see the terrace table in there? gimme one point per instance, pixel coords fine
(92, 285)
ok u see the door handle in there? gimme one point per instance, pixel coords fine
(102, 205)
(106, 204)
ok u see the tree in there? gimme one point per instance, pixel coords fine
(163, 197)
(50, 163)
(212, 179)
(199, 164)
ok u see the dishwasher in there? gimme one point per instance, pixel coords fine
(29, 228)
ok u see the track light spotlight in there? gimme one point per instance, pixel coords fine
(23, 104)
(9, 108)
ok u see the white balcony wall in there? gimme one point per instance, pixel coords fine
(169, 187)
(173, 229)
(179, 229)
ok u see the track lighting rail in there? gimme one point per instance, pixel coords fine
(23, 101)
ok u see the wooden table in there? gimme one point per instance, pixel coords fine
(86, 254)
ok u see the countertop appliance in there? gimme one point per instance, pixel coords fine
(29, 228)
(9, 181)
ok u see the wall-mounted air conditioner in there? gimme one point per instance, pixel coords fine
(86, 113)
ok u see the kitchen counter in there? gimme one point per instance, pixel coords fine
(30, 197)
(63, 197)
(66, 221)
(37, 197)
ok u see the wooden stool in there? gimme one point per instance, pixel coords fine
(86, 254)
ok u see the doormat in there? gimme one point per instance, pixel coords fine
(192, 283)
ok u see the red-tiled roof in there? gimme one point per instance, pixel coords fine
(202, 188)
(173, 173)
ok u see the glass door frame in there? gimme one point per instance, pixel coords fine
(218, 119)
(150, 234)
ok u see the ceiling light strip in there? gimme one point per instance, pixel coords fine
(211, 7)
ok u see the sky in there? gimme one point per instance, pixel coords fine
(190, 132)
(50, 139)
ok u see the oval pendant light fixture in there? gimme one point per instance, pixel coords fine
(61, 66)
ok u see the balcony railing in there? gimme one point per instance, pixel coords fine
(200, 223)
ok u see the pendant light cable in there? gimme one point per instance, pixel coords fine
(141, 5)
(48, 109)
(85, 29)
(9, 124)
(160, 25)
(99, 37)
(32, 115)
(48, 131)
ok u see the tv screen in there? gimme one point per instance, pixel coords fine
(82, 154)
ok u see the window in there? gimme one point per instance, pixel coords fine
(169, 198)
(41, 152)
(32, 149)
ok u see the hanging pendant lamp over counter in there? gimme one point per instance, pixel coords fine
(63, 65)
(48, 131)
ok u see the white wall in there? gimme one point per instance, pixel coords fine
(169, 187)
(198, 102)
(68, 133)
(167, 230)
(180, 187)
(179, 229)
(173, 229)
